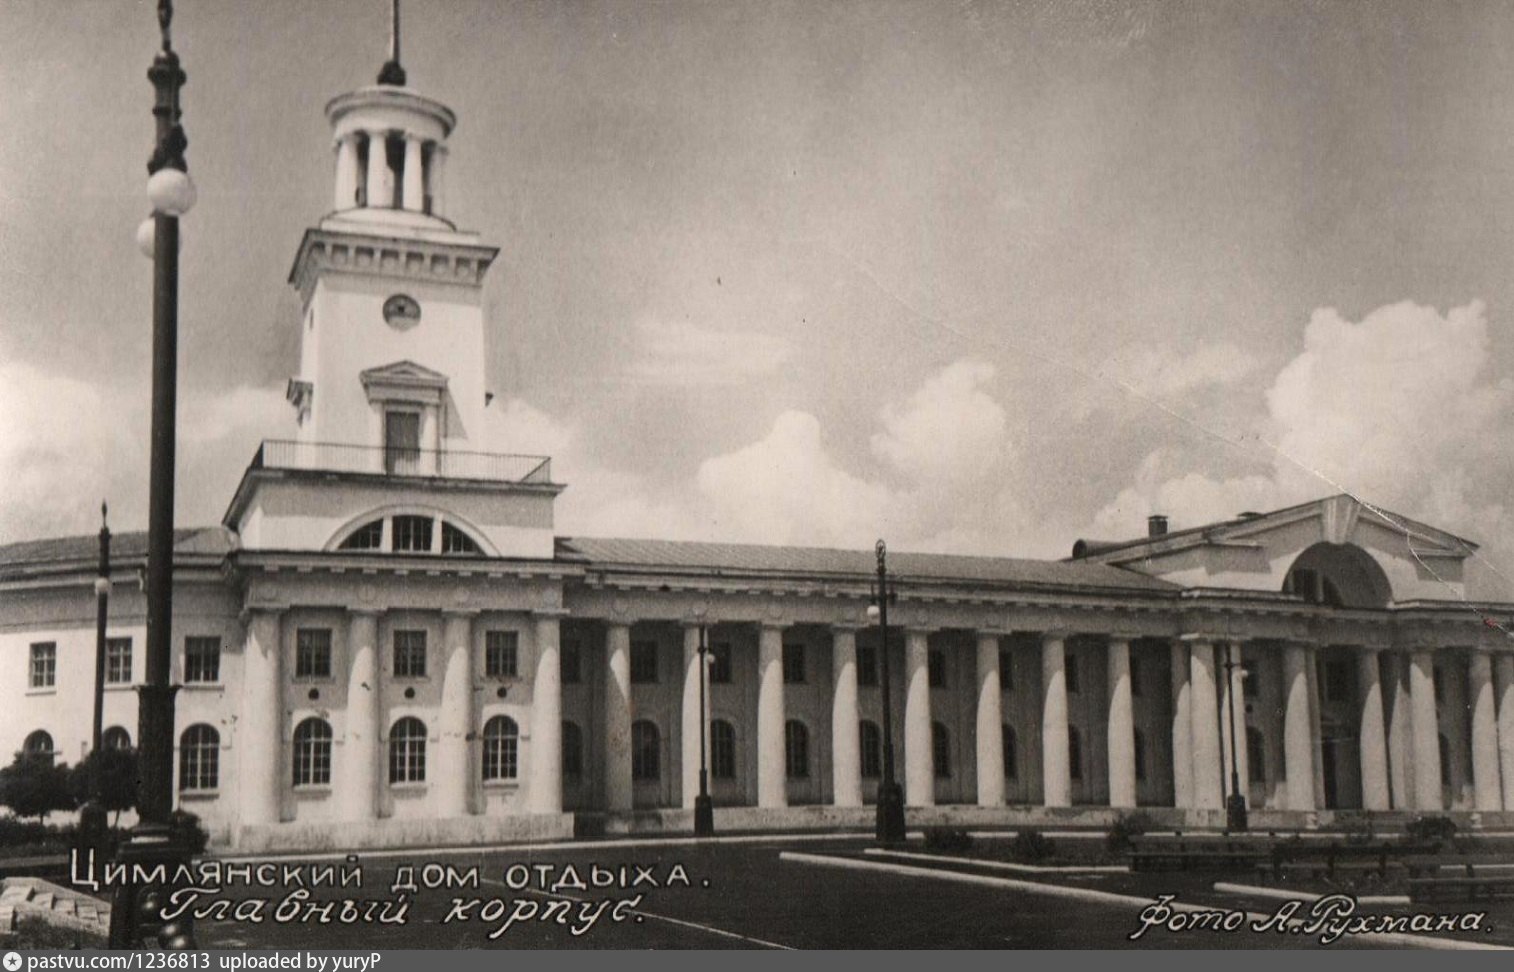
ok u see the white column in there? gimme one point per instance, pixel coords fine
(1182, 726)
(438, 178)
(1374, 737)
(990, 722)
(361, 753)
(454, 765)
(1056, 778)
(380, 179)
(691, 725)
(618, 789)
(1394, 666)
(260, 734)
(919, 769)
(1122, 756)
(1207, 768)
(846, 757)
(1427, 795)
(1503, 671)
(546, 717)
(772, 778)
(1486, 784)
(1233, 693)
(414, 198)
(1298, 747)
(346, 173)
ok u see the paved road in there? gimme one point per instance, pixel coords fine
(753, 899)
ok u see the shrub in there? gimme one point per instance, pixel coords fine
(118, 781)
(1128, 825)
(949, 839)
(1030, 847)
(35, 786)
(188, 826)
(1430, 829)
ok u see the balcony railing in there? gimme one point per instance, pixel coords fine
(491, 467)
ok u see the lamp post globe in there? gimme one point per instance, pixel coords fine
(172, 191)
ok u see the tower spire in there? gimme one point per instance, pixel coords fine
(392, 73)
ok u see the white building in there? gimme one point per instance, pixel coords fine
(384, 642)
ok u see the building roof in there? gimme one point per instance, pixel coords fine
(132, 545)
(755, 558)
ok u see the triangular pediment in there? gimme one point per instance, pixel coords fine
(406, 373)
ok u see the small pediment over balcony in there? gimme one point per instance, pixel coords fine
(404, 381)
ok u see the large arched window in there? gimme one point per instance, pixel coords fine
(796, 750)
(199, 758)
(1338, 575)
(501, 749)
(1011, 752)
(116, 737)
(39, 743)
(646, 751)
(722, 750)
(312, 753)
(572, 749)
(871, 750)
(407, 751)
(941, 749)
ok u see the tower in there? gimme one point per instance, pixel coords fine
(390, 399)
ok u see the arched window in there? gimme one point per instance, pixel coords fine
(369, 536)
(646, 750)
(502, 748)
(1256, 756)
(38, 743)
(796, 750)
(941, 750)
(199, 758)
(1445, 759)
(312, 753)
(407, 751)
(455, 541)
(116, 737)
(1011, 753)
(722, 750)
(871, 750)
(410, 534)
(572, 749)
(1139, 739)
(1074, 754)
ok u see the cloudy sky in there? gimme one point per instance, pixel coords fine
(976, 277)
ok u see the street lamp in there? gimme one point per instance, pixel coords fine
(93, 825)
(155, 840)
(704, 807)
(889, 827)
(1235, 804)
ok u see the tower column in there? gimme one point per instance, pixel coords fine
(990, 722)
(380, 179)
(1487, 786)
(1122, 756)
(772, 780)
(1503, 673)
(1207, 768)
(346, 172)
(1374, 738)
(437, 177)
(1056, 769)
(1394, 666)
(546, 717)
(1182, 726)
(414, 198)
(360, 749)
(1427, 795)
(846, 756)
(1298, 746)
(455, 770)
(618, 789)
(919, 773)
(260, 737)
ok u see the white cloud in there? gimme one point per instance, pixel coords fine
(950, 428)
(680, 353)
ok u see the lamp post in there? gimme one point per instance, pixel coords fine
(1235, 804)
(137, 912)
(704, 807)
(889, 826)
(93, 826)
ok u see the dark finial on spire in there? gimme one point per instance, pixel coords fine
(165, 18)
(392, 73)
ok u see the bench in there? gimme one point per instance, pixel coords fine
(1461, 887)
(1167, 854)
(1331, 860)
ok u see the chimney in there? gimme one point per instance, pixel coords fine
(1156, 525)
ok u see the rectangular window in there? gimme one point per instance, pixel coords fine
(409, 654)
(501, 654)
(643, 661)
(202, 660)
(402, 442)
(935, 665)
(720, 663)
(44, 665)
(117, 661)
(793, 664)
(1006, 670)
(569, 661)
(867, 665)
(1070, 668)
(312, 653)
(412, 534)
